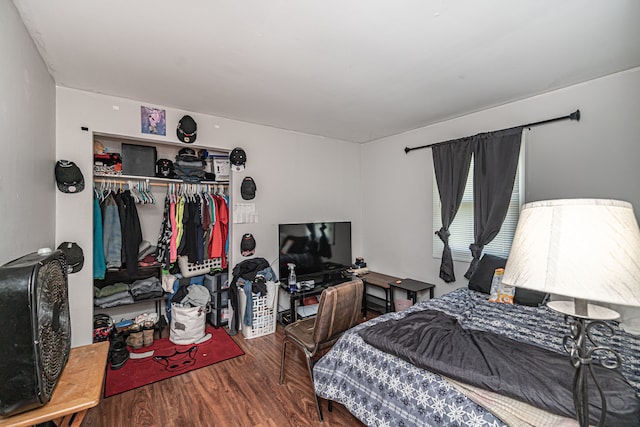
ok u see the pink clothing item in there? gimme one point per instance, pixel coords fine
(216, 245)
(173, 248)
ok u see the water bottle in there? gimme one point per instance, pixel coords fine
(293, 282)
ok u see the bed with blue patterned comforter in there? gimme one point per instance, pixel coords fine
(383, 390)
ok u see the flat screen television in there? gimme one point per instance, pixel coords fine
(319, 250)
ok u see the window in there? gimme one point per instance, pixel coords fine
(462, 227)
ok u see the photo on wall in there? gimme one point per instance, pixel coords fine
(153, 120)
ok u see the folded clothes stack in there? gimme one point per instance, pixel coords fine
(189, 166)
(112, 295)
(146, 288)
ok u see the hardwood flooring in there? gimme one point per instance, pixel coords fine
(239, 392)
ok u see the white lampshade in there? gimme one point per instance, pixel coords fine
(588, 249)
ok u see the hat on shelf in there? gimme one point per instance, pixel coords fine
(69, 177)
(248, 188)
(188, 154)
(164, 168)
(74, 256)
(187, 129)
(247, 245)
(238, 158)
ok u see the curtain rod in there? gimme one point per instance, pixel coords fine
(573, 116)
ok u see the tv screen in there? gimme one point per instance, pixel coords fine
(317, 249)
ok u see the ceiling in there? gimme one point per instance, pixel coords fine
(355, 70)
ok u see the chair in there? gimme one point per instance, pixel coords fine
(338, 310)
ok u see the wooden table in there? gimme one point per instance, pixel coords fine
(372, 302)
(79, 388)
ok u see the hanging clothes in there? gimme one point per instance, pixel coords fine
(216, 248)
(206, 223)
(112, 233)
(180, 241)
(192, 228)
(199, 231)
(226, 246)
(99, 265)
(132, 235)
(164, 238)
(173, 247)
(224, 225)
(195, 225)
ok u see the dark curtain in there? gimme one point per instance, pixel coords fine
(495, 161)
(451, 163)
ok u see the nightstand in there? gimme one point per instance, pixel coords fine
(412, 287)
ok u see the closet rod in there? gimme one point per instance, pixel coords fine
(158, 184)
(573, 116)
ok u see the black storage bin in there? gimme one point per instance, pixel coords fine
(139, 160)
(218, 285)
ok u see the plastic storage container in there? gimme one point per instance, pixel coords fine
(218, 286)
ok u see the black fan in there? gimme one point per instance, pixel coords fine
(35, 329)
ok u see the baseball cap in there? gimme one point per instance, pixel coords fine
(69, 177)
(188, 154)
(237, 158)
(74, 255)
(247, 245)
(187, 129)
(248, 188)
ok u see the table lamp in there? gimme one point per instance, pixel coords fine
(586, 249)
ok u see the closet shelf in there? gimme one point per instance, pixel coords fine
(153, 179)
(122, 275)
(138, 301)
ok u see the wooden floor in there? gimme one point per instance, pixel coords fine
(239, 392)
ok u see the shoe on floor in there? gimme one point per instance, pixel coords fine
(119, 354)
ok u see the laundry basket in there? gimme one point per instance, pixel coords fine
(264, 314)
(188, 269)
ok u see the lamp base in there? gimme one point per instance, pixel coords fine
(584, 351)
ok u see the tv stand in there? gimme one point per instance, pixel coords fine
(328, 280)
(331, 276)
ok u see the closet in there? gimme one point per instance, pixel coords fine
(149, 198)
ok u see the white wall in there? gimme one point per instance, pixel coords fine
(596, 157)
(27, 143)
(299, 178)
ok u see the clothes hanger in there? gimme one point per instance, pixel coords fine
(150, 193)
(143, 194)
(173, 195)
(134, 194)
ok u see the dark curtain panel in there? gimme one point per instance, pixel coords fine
(495, 161)
(451, 165)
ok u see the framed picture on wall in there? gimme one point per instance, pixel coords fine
(153, 120)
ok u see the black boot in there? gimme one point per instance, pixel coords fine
(118, 352)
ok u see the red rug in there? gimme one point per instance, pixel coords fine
(169, 360)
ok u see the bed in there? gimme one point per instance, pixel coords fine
(381, 389)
